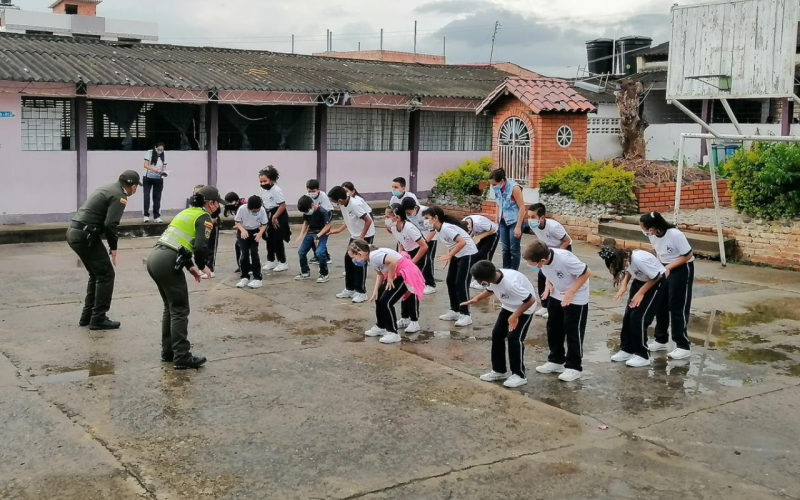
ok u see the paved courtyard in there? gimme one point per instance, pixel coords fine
(295, 403)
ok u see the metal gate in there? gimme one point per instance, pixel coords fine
(514, 148)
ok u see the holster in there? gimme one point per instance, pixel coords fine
(180, 260)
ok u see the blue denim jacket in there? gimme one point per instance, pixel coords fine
(508, 206)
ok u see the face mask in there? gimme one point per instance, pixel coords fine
(216, 212)
(360, 262)
(533, 224)
(646, 234)
(314, 196)
(395, 192)
(159, 152)
(534, 268)
(266, 186)
(390, 223)
(255, 214)
(484, 285)
(427, 224)
(310, 212)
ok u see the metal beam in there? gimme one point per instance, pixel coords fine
(727, 137)
(679, 182)
(731, 115)
(694, 117)
(705, 115)
(213, 142)
(713, 169)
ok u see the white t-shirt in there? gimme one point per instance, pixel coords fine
(553, 233)
(513, 290)
(360, 199)
(419, 221)
(159, 165)
(481, 224)
(408, 236)
(377, 259)
(352, 214)
(563, 272)
(644, 266)
(322, 200)
(398, 200)
(671, 246)
(272, 198)
(246, 218)
(448, 234)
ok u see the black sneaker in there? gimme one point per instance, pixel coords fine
(84, 321)
(105, 324)
(314, 260)
(194, 362)
(167, 357)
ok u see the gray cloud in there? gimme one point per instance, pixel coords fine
(452, 6)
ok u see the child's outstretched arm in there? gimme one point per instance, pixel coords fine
(302, 234)
(377, 287)
(637, 299)
(514, 318)
(481, 296)
(391, 274)
(623, 286)
(570, 294)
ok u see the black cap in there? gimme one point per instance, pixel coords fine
(130, 177)
(210, 193)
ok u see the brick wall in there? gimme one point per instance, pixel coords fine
(660, 198)
(773, 244)
(84, 9)
(490, 209)
(461, 212)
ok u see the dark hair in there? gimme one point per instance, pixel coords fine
(197, 200)
(614, 259)
(304, 203)
(654, 220)
(337, 193)
(254, 202)
(360, 246)
(439, 214)
(312, 184)
(409, 203)
(498, 175)
(349, 185)
(483, 270)
(159, 144)
(397, 209)
(400, 180)
(232, 198)
(270, 173)
(536, 251)
(539, 209)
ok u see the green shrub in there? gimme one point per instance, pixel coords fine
(765, 180)
(463, 181)
(590, 181)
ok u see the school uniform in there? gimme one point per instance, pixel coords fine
(154, 182)
(276, 238)
(398, 200)
(386, 317)
(458, 271)
(552, 235)
(325, 203)
(316, 223)
(355, 278)
(643, 267)
(227, 213)
(427, 261)
(566, 323)
(513, 290)
(676, 303)
(250, 261)
(486, 246)
(408, 238)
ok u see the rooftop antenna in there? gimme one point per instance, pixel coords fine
(327, 40)
(494, 36)
(381, 39)
(444, 49)
(415, 38)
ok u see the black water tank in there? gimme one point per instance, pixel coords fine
(599, 52)
(628, 49)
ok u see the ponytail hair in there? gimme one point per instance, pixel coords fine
(360, 246)
(498, 175)
(197, 200)
(398, 211)
(654, 220)
(614, 259)
(442, 217)
(349, 185)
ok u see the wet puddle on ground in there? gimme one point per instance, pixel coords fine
(75, 374)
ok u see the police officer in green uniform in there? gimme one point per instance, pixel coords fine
(182, 246)
(99, 216)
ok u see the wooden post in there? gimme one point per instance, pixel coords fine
(705, 115)
(321, 145)
(787, 110)
(81, 144)
(413, 145)
(213, 137)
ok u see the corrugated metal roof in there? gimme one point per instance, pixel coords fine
(662, 49)
(542, 95)
(35, 58)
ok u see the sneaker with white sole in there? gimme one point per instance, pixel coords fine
(450, 316)
(541, 312)
(375, 331)
(654, 346)
(314, 261)
(391, 338)
(637, 362)
(679, 353)
(621, 356)
(302, 276)
(515, 381)
(146, 219)
(403, 323)
(359, 298)
(476, 286)
(493, 376)
(158, 220)
(413, 327)
(283, 266)
(323, 278)
(550, 368)
(429, 290)
(464, 320)
(242, 283)
(569, 375)
(255, 284)
(345, 294)
(269, 266)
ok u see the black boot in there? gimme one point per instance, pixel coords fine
(104, 324)
(167, 357)
(85, 320)
(190, 362)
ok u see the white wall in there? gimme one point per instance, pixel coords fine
(433, 163)
(606, 145)
(238, 171)
(370, 171)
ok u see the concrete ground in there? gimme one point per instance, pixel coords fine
(295, 403)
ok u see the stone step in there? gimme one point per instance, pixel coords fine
(705, 245)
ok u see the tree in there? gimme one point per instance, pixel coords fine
(632, 122)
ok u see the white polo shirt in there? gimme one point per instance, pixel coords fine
(398, 200)
(481, 224)
(419, 221)
(408, 236)
(513, 290)
(250, 221)
(377, 259)
(272, 198)
(553, 233)
(322, 200)
(563, 271)
(448, 233)
(671, 246)
(352, 214)
(644, 266)
(360, 199)
(159, 165)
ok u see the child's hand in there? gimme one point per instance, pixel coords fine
(620, 293)
(512, 323)
(666, 274)
(389, 284)
(471, 301)
(275, 222)
(636, 300)
(374, 297)
(244, 234)
(545, 294)
(568, 297)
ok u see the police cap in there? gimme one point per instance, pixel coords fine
(210, 193)
(130, 177)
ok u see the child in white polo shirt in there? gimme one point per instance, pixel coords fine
(568, 308)
(358, 222)
(278, 232)
(485, 234)
(552, 234)
(518, 298)
(250, 222)
(414, 215)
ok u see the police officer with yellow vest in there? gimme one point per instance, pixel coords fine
(184, 240)
(100, 216)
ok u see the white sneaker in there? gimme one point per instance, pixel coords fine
(621, 356)
(413, 327)
(269, 266)
(515, 381)
(464, 320)
(345, 294)
(637, 362)
(429, 290)
(450, 316)
(204, 276)
(476, 286)
(283, 266)
(358, 298)
(375, 331)
(391, 338)
(302, 276)
(679, 353)
(146, 219)
(255, 284)
(541, 312)
(494, 376)
(158, 220)
(403, 323)
(550, 368)
(323, 278)
(654, 346)
(242, 283)
(569, 375)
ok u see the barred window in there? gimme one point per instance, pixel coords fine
(266, 128)
(608, 126)
(46, 124)
(455, 131)
(355, 129)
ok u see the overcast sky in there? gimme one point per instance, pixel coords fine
(544, 35)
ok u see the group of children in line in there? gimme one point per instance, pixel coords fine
(659, 287)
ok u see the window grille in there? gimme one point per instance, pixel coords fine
(46, 124)
(606, 126)
(455, 131)
(355, 129)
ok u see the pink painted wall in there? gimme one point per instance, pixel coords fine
(238, 171)
(370, 171)
(433, 163)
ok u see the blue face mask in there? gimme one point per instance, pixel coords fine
(534, 268)
(395, 192)
(533, 224)
(310, 212)
(359, 262)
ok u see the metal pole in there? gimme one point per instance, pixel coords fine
(731, 115)
(713, 170)
(381, 43)
(444, 49)
(728, 137)
(327, 40)
(331, 44)
(415, 38)
(679, 183)
(292, 44)
(359, 46)
(695, 118)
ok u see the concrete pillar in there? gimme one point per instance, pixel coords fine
(787, 110)
(413, 146)
(212, 118)
(81, 144)
(321, 145)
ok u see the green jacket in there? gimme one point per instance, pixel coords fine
(103, 211)
(190, 229)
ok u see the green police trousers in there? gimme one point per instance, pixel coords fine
(101, 274)
(175, 294)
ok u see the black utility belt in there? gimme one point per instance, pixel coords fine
(162, 246)
(83, 227)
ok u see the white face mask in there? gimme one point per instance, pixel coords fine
(390, 223)
(428, 225)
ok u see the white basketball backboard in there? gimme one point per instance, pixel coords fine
(733, 49)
